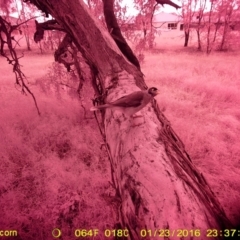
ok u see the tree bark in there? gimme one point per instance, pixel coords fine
(224, 34)
(186, 33)
(199, 40)
(157, 186)
(209, 48)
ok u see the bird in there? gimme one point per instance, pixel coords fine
(131, 103)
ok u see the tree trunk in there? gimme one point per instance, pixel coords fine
(186, 33)
(25, 26)
(198, 29)
(199, 40)
(209, 48)
(224, 34)
(157, 186)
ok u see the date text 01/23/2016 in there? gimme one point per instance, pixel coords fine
(154, 233)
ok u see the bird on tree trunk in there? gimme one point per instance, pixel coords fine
(132, 103)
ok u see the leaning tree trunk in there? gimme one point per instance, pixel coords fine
(157, 186)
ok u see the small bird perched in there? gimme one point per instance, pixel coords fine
(132, 103)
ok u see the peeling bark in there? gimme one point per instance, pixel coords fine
(155, 179)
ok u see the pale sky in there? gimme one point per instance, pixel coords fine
(131, 11)
(166, 8)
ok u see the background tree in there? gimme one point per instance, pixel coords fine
(187, 14)
(225, 9)
(6, 7)
(213, 26)
(144, 19)
(200, 21)
(218, 22)
(23, 15)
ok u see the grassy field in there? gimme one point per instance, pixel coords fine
(48, 162)
(200, 97)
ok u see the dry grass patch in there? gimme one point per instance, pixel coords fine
(200, 96)
(53, 172)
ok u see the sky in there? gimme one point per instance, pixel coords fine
(131, 11)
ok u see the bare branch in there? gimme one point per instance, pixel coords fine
(48, 25)
(7, 29)
(168, 2)
(116, 34)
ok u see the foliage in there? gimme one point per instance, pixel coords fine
(139, 31)
(25, 12)
(50, 41)
(7, 7)
(58, 81)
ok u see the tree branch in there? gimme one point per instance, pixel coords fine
(114, 30)
(168, 2)
(7, 29)
(48, 25)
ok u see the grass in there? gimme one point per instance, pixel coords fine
(52, 172)
(200, 97)
(50, 165)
